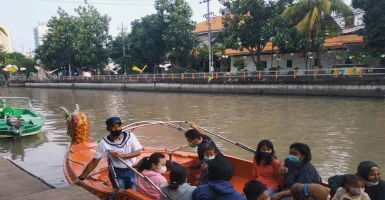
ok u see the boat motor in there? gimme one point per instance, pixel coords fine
(14, 123)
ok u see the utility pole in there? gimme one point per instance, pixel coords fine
(208, 17)
(123, 29)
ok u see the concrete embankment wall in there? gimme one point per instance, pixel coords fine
(367, 90)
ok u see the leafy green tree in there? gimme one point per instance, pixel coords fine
(251, 24)
(177, 26)
(374, 19)
(78, 41)
(313, 20)
(92, 36)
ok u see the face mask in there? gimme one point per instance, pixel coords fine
(192, 145)
(356, 191)
(294, 159)
(115, 133)
(162, 170)
(209, 158)
(371, 184)
(266, 154)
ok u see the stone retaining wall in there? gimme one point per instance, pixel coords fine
(368, 90)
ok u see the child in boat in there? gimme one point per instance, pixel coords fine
(266, 165)
(211, 155)
(255, 190)
(177, 188)
(153, 167)
(353, 189)
(218, 186)
(197, 138)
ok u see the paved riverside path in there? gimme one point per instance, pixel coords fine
(16, 184)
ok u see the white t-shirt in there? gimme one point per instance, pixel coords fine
(128, 144)
(342, 194)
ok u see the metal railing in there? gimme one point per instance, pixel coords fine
(277, 74)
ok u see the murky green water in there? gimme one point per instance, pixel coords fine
(340, 131)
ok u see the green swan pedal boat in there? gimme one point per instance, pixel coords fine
(18, 122)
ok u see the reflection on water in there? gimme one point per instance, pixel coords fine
(340, 131)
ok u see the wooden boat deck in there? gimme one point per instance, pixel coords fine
(17, 184)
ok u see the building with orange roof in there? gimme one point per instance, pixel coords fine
(338, 52)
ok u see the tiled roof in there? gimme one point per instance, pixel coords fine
(216, 24)
(343, 39)
(337, 41)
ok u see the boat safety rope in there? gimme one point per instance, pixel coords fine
(230, 141)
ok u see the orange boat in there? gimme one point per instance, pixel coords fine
(81, 152)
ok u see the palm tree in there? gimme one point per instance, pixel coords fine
(3, 31)
(313, 19)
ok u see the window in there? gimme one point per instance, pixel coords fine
(289, 63)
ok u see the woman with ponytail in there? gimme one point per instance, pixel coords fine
(153, 167)
(177, 188)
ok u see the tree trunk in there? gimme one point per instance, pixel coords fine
(257, 67)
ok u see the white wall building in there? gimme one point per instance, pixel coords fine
(39, 33)
(358, 16)
(5, 40)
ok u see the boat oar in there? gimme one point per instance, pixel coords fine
(145, 178)
(232, 142)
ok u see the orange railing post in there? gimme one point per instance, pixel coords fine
(295, 74)
(204, 75)
(276, 74)
(244, 75)
(182, 76)
(137, 77)
(259, 75)
(361, 72)
(193, 76)
(172, 76)
(230, 76)
(154, 77)
(130, 77)
(217, 76)
(315, 72)
(336, 72)
(162, 76)
(116, 77)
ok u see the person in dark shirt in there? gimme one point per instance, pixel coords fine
(197, 138)
(297, 169)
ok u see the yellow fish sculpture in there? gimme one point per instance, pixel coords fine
(135, 68)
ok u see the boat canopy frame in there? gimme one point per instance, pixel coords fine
(27, 98)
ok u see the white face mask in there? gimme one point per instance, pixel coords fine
(161, 170)
(371, 184)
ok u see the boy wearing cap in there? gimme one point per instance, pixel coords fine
(122, 145)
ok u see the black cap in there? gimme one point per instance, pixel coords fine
(112, 120)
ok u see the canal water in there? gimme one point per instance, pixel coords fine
(340, 131)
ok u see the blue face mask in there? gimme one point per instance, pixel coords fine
(209, 158)
(192, 145)
(294, 159)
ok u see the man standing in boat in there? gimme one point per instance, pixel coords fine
(122, 145)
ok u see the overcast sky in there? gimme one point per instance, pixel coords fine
(21, 16)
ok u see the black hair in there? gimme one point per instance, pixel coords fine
(351, 179)
(304, 149)
(146, 162)
(192, 134)
(210, 147)
(253, 189)
(178, 175)
(258, 154)
(220, 171)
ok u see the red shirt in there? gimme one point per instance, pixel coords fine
(267, 175)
